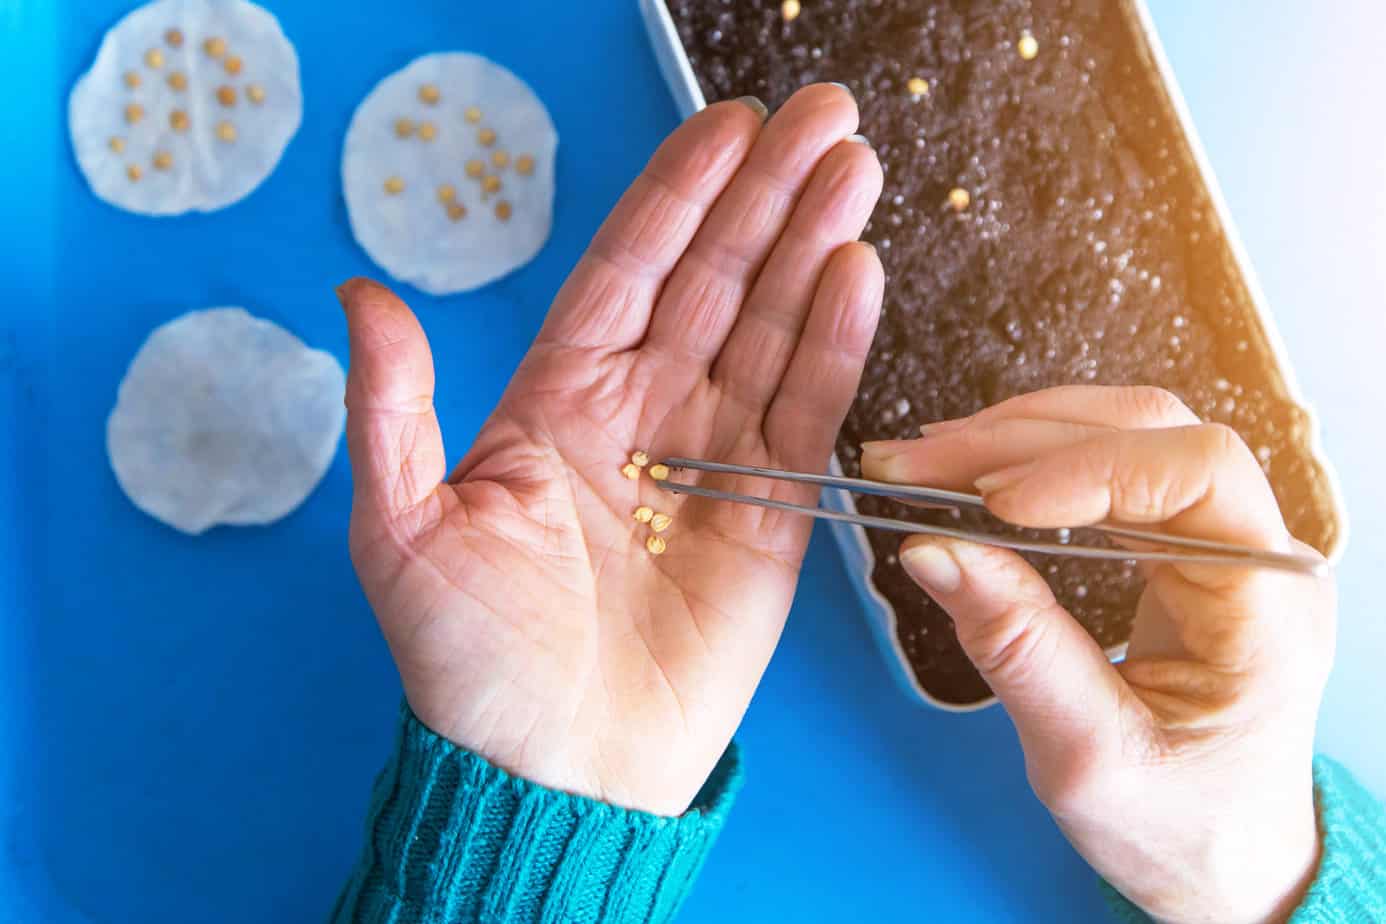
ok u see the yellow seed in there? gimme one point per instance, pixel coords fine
(178, 120)
(174, 37)
(491, 184)
(631, 471)
(643, 514)
(154, 58)
(659, 471)
(226, 131)
(394, 186)
(133, 113)
(790, 10)
(163, 160)
(456, 211)
(430, 94)
(656, 545)
(134, 173)
(475, 168)
(447, 192)
(233, 65)
(917, 86)
(403, 128)
(640, 457)
(1027, 46)
(226, 95)
(178, 81)
(486, 136)
(524, 165)
(959, 198)
(255, 93)
(500, 159)
(132, 79)
(427, 131)
(116, 144)
(215, 47)
(660, 522)
(472, 115)
(503, 210)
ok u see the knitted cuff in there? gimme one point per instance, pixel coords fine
(1350, 886)
(450, 837)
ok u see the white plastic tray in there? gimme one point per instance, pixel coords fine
(856, 550)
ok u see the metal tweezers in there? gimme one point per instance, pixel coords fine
(1200, 551)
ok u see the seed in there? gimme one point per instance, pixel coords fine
(134, 173)
(659, 471)
(1027, 46)
(226, 95)
(500, 159)
(640, 457)
(660, 522)
(917, 86)
(132, 79)
(154, 58)
(456, 211)
(430, 94)
(487, 137)
(503, 210)
(215, 47)
(233, 65)
(255, 93)
(472, 115)
(163, 160)
(959, 198)
(116, 144)
(178, 81)
(403, 128)
(656, 545)
(226, 131)
(491, 184)
(630, 470)
(178, 120)
(174, 37)
(524, 165)
(394, 186)
(475, 168)
(790, 10)
(447, 192)
(133, 113)
(643, 514)
(427, 131)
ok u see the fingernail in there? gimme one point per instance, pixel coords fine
(932, 567)
(943, 426)
(868, 244)
(845, 88)
(341, 291)
(1005, 478)
(858, 139)
(755, 105)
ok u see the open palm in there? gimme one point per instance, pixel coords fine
(721, 312)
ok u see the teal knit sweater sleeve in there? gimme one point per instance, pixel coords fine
(450, 837)
(1350, 887)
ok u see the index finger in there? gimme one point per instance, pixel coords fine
(607, 299)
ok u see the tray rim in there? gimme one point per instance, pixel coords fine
(851, 540)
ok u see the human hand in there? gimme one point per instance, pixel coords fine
(722, 311)
(1182, 774)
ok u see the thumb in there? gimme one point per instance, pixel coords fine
(393, 438)
(1061, 692)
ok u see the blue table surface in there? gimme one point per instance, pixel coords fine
(191, 726)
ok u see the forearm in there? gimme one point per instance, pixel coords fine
(1350, 885)
(449, 837)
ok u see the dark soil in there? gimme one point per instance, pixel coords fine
(1089, 253)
